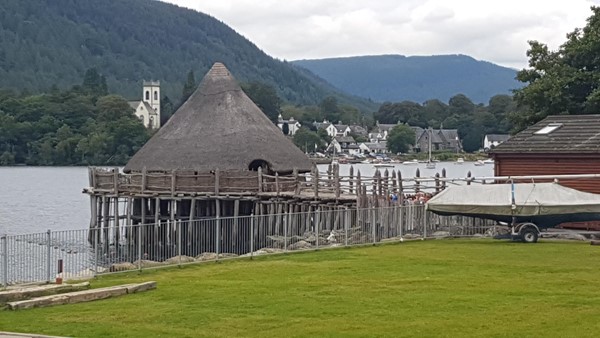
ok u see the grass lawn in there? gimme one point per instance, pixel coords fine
(451, 288)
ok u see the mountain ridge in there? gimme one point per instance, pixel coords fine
(52, 43)
(396, 78)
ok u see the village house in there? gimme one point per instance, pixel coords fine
(333, 129)
(380, 132)
(358, 130)
(441, 139)
(491, 141)
(343, 145)
(292, 124)
(148, 109)
(374, 147)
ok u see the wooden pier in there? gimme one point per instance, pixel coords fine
(168, 200)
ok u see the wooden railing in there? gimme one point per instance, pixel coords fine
(312, 184)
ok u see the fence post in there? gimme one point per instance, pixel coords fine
(49, 252)
(285, 232)
(140, 246)
(251, 235)
(374, 224)
(401, 220)
(217, 236)
(347, 224)
(179, 240)
(96, 240)
(317, 221)
(5, 260)
(424, 222)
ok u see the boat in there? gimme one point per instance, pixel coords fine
(459, 160)
(489, 161)
(479, 163)
(383, 165)
(526, 207)
(411, 162)
(430, 164)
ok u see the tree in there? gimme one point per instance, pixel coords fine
(285, 128)
(94, 83)
(188, 87)
(307, 140)
(330, 109)
(265, 97)
(400, 139)
(566, 81)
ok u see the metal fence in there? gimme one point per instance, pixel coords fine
(85, 253)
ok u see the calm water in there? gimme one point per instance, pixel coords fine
(35, 199)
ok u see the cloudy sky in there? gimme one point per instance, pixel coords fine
(491, 30)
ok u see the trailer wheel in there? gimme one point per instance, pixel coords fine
(529, 235)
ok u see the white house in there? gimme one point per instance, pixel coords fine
(332, 129)
(374, 147)
(493, 140)
(343, 144)
(148, 109)
(293, 125)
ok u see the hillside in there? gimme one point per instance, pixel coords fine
(46, 43)
(397, 78)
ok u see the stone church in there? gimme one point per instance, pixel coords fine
(148, 109)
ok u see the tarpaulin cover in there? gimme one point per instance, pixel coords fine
(530, 199)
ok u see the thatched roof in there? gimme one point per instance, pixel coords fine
(218, 127)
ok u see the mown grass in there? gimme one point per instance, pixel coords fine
(452, 288)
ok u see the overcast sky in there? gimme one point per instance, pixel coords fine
(491, 30)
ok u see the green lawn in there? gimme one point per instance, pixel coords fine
(451, 288)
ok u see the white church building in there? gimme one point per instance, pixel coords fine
(148, 109)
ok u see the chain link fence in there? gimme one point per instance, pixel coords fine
(81, 254)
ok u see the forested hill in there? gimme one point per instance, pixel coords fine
(397, 78)
(53, 42)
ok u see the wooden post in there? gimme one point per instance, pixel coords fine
(260, 179)
(437, 183)
(236, 214)
(417, 184)
(92, 176)
(469, 178)
(329, 171)
(116, 224)
(386, 188)
(400, 189)
(296, 181)
(378, 181)
(116, 181)
(277, 183)
(443, 176)
(358, 189)
(394, 185)
(217, 181)
(190, 225)
(173, 182)
(156, 225)
(106, 221)
(316, 181)
(350, 183)
(93, 219)
(336, 179)
(143, 188)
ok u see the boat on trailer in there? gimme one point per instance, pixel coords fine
(524, 207)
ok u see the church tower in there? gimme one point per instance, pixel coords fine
(151, 95)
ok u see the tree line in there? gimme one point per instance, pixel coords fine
(81, 126)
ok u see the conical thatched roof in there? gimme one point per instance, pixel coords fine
(219, 127)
